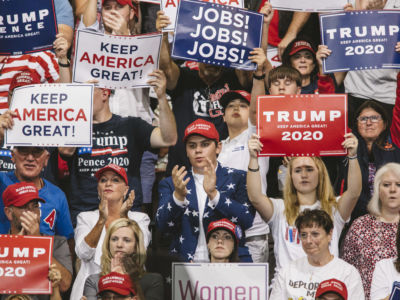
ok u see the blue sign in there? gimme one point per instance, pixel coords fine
(216, 34)
(26, 26)
(361, 40)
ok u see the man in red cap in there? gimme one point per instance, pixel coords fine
(191, 199)
(22, 209)
(116, 286)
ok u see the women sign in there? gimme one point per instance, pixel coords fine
(302, 125)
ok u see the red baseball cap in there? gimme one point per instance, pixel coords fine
(233, 95)
(201, 127)
(20, 193)
(24, 77)
(116, 282)
(301, 45)
(111, 167)
(122, 2)
(333, 286)
(226, 225)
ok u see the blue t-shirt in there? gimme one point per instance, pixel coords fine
(64, 12)
(54, 214)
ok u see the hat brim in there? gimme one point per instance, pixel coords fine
(230, 96)
(102, 170)
(294, 51)
(221, 228)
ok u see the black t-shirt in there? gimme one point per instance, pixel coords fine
(193, 99)
(120, 141)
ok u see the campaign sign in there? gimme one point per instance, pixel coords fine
(115, 61)
(219, 281)
(361, 40)
(170, 8)
(24, 264)
(273, 56)
(27, 26)
(216, 34)
(51, 115)
(302, 125)
(309, 5)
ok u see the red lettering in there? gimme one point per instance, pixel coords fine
(85, 56)
(110, 62)
(41, 114)
(66, 117)
(17, 116)
(149, 60)
(81, 115)
(50, 219)
(135, 61)
(98, 59)
(121, 62)
(170, 3)
(52, 114)
(29, 113)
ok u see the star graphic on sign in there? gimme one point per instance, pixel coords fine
(231, 186)
(205, 215)
(228, 201)
(169, 207)
(190, 256)
(181, 239)
(196, 229)
(171, 224)
(187, 212)
(234, 219)
(168, 279)
(195, 213)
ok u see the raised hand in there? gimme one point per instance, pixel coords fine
(103, 208)
(255, 145)
(162, 20)
(178, 175)
(127, 205)
(159, 82)
(210, 179)
(116, 22)
(61, 47)
(30, 223)
(267, 11)
(323, 52)
(257, 56)
(350, 143)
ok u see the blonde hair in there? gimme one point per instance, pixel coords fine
(375, 205)
(324, 192)
(139, 253)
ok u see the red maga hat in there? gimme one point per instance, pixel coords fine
(333, 286)
(24, 77)
(226, 225)
(233, 95)
(203, 128)
(116, 282)
(111, 167)
(20, 193)
(301, 45)
(122, 2)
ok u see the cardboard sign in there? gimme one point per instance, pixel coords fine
(216, 34)
(219, 281)
(170, 8)
(27, 26)
(273, 56)
(115, 61)
(309, 5)
(302, 125)
(361, 40)
(51, 115)
(24, 264)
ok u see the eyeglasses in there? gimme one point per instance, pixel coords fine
(25, 151)
(314, 235)
(373, 119)
(223, 237)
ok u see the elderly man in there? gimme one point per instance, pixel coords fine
(21, 207)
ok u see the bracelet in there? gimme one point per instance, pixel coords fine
(352, 157)
(261, 77)
(254, 170)
(67, 65)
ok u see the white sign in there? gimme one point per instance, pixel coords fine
(193, 281)
(116, 61)
(273, 56)
(51, 115)
(151, 1)
(170, 8)
(309, 5)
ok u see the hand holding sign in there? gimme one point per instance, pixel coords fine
(268, 12)
(255, 145)
(6, 122)
(54, 276)
(350, 143)
(159, 82)
(322, 53)
(162, 20)
(258, 57)
(61, 46)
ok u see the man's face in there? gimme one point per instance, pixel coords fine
(330, 296)
(29, 162)
(14, 213)
(210, 71)
(114, 296)
(237, 114)
(199, 149)
(284, 86)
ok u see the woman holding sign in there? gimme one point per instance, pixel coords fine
(307, 186)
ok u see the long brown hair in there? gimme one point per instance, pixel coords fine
(324, 192)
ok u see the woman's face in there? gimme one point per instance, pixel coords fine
(303, 62)
(370, 124)
(122, 242)
(314, 240)
(389, 191)
(304, 175)
(221, 245)
(112, 186)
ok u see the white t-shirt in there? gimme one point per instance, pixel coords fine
(382, 281)
(287, 240)
(300, 280)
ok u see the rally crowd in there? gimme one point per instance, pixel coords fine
(176, 176)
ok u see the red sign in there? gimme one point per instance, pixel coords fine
(302, 125)
(24, 264)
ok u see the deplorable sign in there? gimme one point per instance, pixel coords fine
(26, 26)
(361, 40)
(24, 264)
(116, 61)
(302, 125)
(170, 8)
(219, 281)
(309, 5)
(216, 34)
(51, 115)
